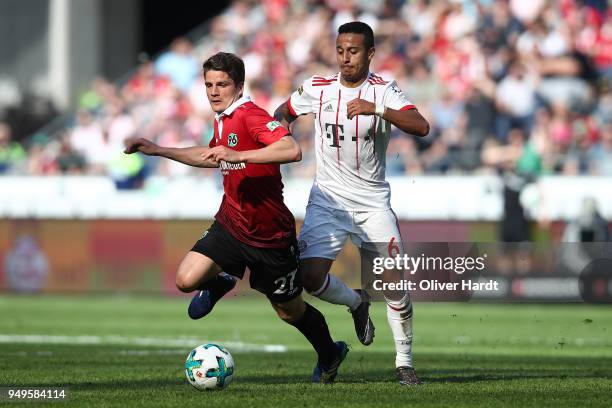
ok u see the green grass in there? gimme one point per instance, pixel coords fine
(467, 354)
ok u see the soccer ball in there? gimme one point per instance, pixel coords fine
(209, 367)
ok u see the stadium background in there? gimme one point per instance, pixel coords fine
(518, 95)
(90, 238)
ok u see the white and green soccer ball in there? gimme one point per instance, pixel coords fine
(209, 367)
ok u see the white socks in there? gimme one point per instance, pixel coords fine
(399, 316)
(336, 292)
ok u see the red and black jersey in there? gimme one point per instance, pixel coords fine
(252, 210)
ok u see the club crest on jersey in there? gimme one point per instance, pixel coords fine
(273, 125)
(300, 90)
(232, 139)
(328, 108)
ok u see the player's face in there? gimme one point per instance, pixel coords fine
(221, 90)
(352, 56)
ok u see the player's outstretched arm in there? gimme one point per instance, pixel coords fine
(191, 156)
(410, 121)
(285, 150)
(283, 115)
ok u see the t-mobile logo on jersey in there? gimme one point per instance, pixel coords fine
(335, 133)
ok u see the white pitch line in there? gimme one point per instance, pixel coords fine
(138, 341)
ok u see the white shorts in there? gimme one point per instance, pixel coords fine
(325, 231)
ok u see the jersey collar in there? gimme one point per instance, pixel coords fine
(230, 109)
(359, 87)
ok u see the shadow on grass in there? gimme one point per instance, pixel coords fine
(294, 369)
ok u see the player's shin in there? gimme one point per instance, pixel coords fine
(313, 326)
(399, 316)
(335, 291)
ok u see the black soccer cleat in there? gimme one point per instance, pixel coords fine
(364, 328)
(407, 376)
(327, 374)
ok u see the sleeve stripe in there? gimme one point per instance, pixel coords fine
(407, 107)
(291, 110)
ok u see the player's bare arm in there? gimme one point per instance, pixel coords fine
(191, 156)
(285, 150)
(410, 121)
(283, 115)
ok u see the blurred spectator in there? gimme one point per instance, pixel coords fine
(127, 171)
(515, 101)
(100, 93)
(41, 157)
(89, 139)
(480, 116)
(11, 153)
(69, 161)
(520, 163)
(119, 124)
(144, 85)
(474, 69)
(600, 155)
(179, 64)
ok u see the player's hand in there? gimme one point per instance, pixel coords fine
(359, 107)
(142, 145)
(226, 154)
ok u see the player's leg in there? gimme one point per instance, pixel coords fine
(399, 316)
(201, 270)
(322, 237)
(194, 270)
(311, 323)
(381, 230)
(274, 272)
(326, 286)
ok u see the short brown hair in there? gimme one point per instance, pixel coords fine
(228, 63)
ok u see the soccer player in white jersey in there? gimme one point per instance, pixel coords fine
(354, 110)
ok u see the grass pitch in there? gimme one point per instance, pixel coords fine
(129, 351)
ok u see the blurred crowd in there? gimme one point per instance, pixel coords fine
(505, 84)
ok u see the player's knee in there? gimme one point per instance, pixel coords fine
(314, 274)
(312, 282)
(184, 284)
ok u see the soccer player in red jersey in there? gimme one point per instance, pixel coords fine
(350, 197)
(253, 227)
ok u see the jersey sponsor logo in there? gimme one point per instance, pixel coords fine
(232, 139)
(336, 134)
(273, 125)
(225, 166)
(328, 108)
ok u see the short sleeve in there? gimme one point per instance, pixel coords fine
(263, 128)
(302, 100)
(396, 99)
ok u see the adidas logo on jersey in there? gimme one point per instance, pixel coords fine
(328, 108)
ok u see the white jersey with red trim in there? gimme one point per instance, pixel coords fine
(350, 153)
